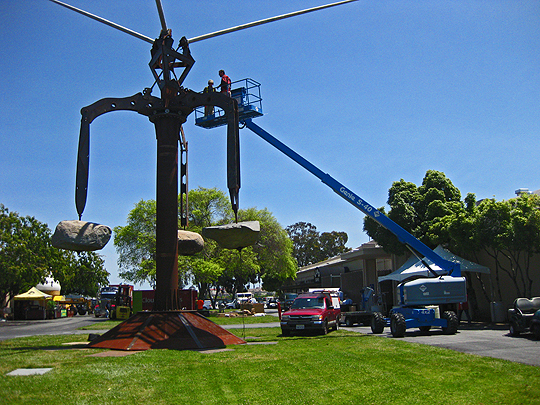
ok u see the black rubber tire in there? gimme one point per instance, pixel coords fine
(535, 329)
(514, 331)
(452, 322)
(398, 325)
(425, 328)
(285, 332)
(325, 327)
(348, 321)
(377, 323)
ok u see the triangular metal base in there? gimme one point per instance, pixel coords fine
(177, 330)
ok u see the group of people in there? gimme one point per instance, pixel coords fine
(225, 87)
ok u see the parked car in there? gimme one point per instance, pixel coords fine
(244, 298)
(230, 305)
(272, 303)
(287, 300)
(310, 312)
(207, 305)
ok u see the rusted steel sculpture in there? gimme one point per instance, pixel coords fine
(167, 113)
(163, 327)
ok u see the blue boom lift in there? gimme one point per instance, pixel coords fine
(417, 297)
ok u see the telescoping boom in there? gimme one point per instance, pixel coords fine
(405, 237)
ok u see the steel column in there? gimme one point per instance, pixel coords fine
(167, 132)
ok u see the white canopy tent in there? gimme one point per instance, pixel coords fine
(414, 267)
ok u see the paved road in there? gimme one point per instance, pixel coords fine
(479, 339)
(61, 326)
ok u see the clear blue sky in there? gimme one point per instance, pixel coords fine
(371, 92)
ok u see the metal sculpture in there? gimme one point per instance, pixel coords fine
(168, 113)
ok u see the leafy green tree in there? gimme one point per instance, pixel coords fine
(509, 232)
(418, 210)
(208, 207)
(214, 267)
(27, 257)
(310, 246)
(305, 239)
(274, 251)
(85, 276)
(136, 244)
(24, 251)
(332, 244)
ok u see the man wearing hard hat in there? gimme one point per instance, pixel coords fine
(209, 109)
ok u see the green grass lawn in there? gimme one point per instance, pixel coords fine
(342, 368)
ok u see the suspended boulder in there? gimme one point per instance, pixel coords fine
(189, 243)
(80, 236)
(234, 236)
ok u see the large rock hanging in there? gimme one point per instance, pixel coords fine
(81, 236)
(234, 236)
(189, 243)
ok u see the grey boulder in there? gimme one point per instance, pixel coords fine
(80, 236)
(234, 236)
(189, 243)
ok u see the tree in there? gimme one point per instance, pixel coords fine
(417, 210)
(27, 257)
(208, 207)
(332, 244)
(87, 273)
(311, 247)
(509, 232)
(214, 266)
(274, 251)
(305, 239)
(24, 252)
(136, 244)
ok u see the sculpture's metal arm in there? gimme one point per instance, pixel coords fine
(183, 104)
(143, 104)
(191, 100)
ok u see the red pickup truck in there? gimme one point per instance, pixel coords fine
(309, 312)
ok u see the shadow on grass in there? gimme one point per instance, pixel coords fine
(316, 336)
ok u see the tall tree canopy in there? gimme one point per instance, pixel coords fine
(274, 251)
(270, 260)
(508, 231)
(417, 210)
(310, 246)
(136, 244)
(27, 257)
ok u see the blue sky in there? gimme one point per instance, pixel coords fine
(370, 92)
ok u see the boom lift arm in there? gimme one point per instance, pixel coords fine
(405, 237)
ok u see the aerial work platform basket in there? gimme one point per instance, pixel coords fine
(248, 94)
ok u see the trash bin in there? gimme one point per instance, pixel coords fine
(498, 312)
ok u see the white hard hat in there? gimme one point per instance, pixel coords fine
(210, 81)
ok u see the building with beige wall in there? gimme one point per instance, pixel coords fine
(361, 267)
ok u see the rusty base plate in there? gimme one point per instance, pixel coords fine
(178, 330)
